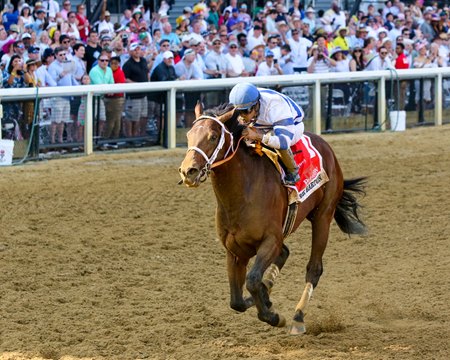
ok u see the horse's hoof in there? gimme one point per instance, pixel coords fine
(297, 328)
(281, 321)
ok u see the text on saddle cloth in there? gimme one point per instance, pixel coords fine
(310, 164)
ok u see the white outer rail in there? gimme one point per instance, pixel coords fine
(171, 87)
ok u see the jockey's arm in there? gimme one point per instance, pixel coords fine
(285, 133)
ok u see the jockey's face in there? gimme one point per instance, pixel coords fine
(250, 114)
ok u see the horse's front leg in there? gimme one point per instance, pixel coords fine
(267, 253)
(237, 269)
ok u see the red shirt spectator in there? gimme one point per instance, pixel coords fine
(402, 61)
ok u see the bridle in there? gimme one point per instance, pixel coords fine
(211, 161)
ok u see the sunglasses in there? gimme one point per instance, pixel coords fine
(66, 41)
(62, 54)
(383, 53)
(233, 47)
(357, 51)
(103, 60)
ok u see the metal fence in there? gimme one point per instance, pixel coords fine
(333, 102)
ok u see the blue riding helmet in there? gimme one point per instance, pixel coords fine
(244, 95)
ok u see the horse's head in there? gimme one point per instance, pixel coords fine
(208, 140)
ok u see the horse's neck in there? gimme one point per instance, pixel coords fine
(231, 179)
(235, 180)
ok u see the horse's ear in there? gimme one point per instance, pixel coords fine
(227, 116)
(198, 109)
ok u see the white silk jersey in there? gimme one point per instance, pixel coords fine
(282, 114)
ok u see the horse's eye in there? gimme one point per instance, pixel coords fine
(213, 138)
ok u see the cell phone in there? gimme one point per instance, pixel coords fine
(275, 61)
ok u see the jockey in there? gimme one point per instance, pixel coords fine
(269, 109)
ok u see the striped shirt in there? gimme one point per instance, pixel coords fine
(282, 114)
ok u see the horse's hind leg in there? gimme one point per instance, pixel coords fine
(237, 270)
(314, 269)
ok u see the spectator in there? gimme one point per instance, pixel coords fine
(319, 62)
(423, 61)
(310, 19)
(136, 104)
(186, 69)
(272, 45)
(401, 62)
(14, 78)
(269, 66)
(216, 65)
(380, 61)
(81, 117)
(255, 37)
(114, 103)
(38, 25)
(165, 71)
(83, 22)
(25, 16)
(66, 9)
(65, 44)
(72, 26)
(10, 16)
(93, 50)
(341, 40)
(235, 65)
(167, 34)
(299, 46)
(213, 17)
(60, 105)
(286, 63)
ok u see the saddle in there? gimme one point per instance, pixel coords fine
(311, 171)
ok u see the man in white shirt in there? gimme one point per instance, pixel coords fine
(106, 24)
(235, 64)
(299, 50)
(380, 61)
(269, 66)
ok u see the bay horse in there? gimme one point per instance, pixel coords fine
(251, 207)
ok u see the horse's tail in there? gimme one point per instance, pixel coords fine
(346, 214)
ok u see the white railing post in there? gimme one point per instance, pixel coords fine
(382, 103)
(171, 118)
(317, 109)
(89, 125)
(438, 105)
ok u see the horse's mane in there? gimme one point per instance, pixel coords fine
(232, 124)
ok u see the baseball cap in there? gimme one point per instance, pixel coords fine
(107, 13)
(269, 53)
(193, 42)
(188, 52)
(168, 55)
(26, 36)
(187, 9)
(14, 28)
(33, 50)
(105, 37)
(232, 43)
(134, 46)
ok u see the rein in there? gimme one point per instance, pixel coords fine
(211, 161)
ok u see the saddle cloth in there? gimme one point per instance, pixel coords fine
(310, 164)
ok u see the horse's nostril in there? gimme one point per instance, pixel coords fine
(192, 171)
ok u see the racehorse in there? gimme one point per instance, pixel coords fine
(252, 204)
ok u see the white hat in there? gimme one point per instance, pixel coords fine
(26, 36)
(134, 46)
(188, 52)
(168, 55)
(310, 10)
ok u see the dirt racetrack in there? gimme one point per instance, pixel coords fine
(105, 257)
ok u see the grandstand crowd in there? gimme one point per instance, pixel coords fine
(50, 43)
